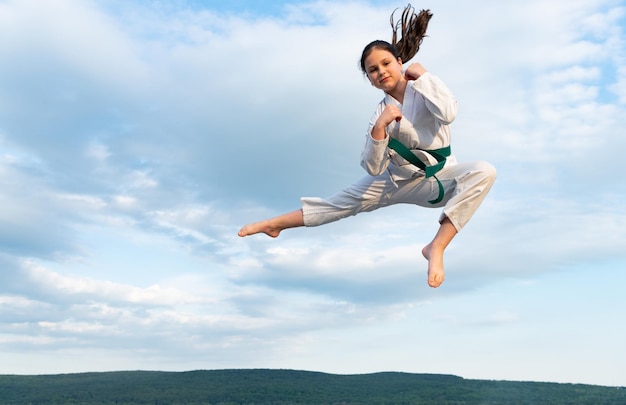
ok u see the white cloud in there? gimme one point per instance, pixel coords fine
(59, 285)
(124, 201)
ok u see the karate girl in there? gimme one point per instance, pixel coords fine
(407, 152)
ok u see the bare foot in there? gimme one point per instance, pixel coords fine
(272, 227)
(264, 226)
(435, 265)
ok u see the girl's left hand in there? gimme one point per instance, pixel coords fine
(414, 71)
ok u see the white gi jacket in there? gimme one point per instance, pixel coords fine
(428, 108)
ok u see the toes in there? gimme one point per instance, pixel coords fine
(435, 280)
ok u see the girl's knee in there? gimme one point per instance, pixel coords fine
(487, 171)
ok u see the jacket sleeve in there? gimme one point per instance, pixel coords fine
(374, 158)
(438, 98)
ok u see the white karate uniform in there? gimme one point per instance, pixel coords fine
(428, 109)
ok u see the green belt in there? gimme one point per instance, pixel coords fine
(439, 154)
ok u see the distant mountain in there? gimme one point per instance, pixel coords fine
(290, 387)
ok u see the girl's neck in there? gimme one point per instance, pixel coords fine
(398, 91)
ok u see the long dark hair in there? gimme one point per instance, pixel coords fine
(412, 32)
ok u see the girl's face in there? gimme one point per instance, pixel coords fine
(383, 70)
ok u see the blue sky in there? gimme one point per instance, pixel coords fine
(136, 138)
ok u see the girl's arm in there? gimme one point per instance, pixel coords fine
(375, 158)
(439, 99)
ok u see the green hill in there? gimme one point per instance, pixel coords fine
(286, 387)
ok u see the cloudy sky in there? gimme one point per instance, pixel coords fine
(136, 138)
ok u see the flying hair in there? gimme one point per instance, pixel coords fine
(412, 28)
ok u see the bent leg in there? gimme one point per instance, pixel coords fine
(472, 183)
(466, 186)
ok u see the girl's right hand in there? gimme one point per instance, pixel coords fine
(390, 114)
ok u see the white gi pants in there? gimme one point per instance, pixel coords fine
(465, 185)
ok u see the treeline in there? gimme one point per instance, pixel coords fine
(287, 387)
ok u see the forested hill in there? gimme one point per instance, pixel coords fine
(283, 387)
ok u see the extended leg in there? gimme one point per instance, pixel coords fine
(364, 195)
(273, 226)
(433, 252)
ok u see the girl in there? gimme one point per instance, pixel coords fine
(407, 151)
